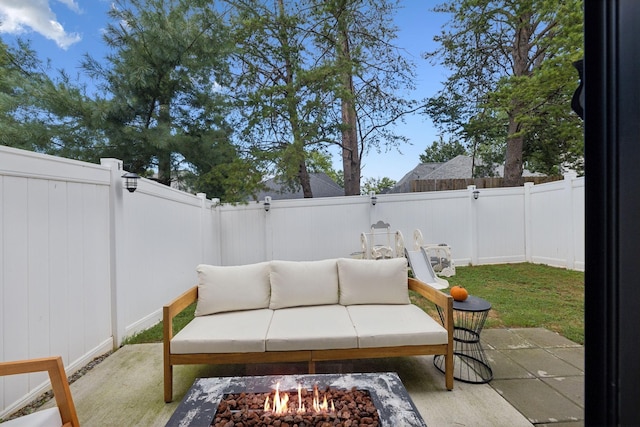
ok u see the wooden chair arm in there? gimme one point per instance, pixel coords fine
(432, 294)
(59, 383)
(439, 298)
(174, 308)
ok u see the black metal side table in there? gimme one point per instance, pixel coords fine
(469, 360)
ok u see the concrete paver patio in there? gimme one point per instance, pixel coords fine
(538, 379)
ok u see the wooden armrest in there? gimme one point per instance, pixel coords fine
(439, 298)
(429, 292)
(59, 383)
(174, 308)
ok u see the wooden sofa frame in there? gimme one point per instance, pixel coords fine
(444, 301)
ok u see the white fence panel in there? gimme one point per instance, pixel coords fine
(577, 221)
(548, 242)
(54, 254)
(441, 217)
(163, 244)
(499, 222)
(242, 234)
(316, 229)
(557, 223)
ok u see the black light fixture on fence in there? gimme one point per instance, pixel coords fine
(374, 198)
(476, 194)
(267, 203)
(131, 181)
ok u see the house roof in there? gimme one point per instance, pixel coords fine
(459, 167)
(321, 186)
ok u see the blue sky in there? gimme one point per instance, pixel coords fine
(64, 30)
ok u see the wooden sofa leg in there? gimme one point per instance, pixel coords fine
(168, 382)
(312, 367)
(448, 369)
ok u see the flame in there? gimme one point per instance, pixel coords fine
(281, 402)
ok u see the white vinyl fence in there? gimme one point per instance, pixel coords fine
(84, 263)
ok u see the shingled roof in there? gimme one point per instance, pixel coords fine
(459, 167)
(321, 186)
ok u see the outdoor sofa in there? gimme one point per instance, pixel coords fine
(306, 311)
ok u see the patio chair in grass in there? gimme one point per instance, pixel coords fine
(65, 413)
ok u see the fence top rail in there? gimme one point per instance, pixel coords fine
(26, 164)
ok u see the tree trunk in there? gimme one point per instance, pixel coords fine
(350, 154)
(305, 182)
(298, 142)
(350, 147)
(163, 151)
(513, 156)
(521, 68)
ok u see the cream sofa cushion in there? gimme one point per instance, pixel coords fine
(241, 287)
(42, 418)
(302, 283)
(311, 328)
(395, 325)
(373, 281)
(234, 332)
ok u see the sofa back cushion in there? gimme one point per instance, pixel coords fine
(302, 283)
(373, 281)
(232, 288)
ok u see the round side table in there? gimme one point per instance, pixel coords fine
(469, 360)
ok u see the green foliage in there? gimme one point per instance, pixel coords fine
(154, 333)
(373, 92)
(40, 113)
(280, 91)
(166, 108)
(441, 151)
(377, 185)
(217, 169)
(518, 98)
(295, 81)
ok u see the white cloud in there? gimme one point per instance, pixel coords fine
(22, 16)
(71, 4)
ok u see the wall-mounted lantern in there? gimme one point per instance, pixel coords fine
(476, 194)
(267, 203)
(131, 181)
(373, 197)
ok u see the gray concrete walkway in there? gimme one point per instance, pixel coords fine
(538, 379)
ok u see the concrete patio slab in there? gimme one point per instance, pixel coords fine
(542, 363)
(571, 355)
(539, 402)
(501, 339)
(126, 389)
(544, 337)
(570, 387)
(504, 367)
(531, 385)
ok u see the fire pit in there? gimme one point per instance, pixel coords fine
(391, 403)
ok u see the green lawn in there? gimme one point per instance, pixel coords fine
(522, 296)
(528, 296)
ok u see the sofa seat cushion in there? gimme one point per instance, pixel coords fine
(233, 332)
(311, 328)
(395, 325)
(373, 281)
(43, 418)
(303, 283)
(232, 288)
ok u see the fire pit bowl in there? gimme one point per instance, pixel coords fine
(393, 403)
